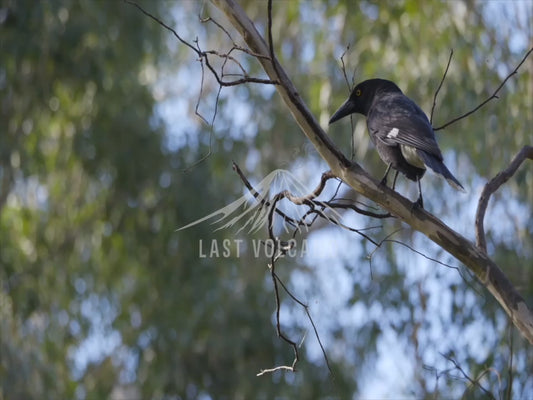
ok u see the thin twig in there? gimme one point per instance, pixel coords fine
(227, 57)
(348, 83)
(160, 22)
(318, 339)
(472, 381)
(353, 207)
(204, 20)
(306, 308)
(196, 112)
(280, 333)
(421, 254)
(209, 152)
(493, 96)
(271, 370)
(440, 85)
(350, 87)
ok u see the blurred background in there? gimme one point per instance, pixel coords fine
(102, 158)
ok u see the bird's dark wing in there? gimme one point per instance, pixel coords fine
(396, 120)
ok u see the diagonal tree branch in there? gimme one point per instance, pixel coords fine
(489, 274)
(492, 186)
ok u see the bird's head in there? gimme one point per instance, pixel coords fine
(362, 97)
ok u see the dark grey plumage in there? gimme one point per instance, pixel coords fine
(401, 132)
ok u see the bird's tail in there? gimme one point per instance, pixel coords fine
(438, 167)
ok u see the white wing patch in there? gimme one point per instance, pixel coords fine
(393, 133)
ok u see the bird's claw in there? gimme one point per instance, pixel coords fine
(419, 203)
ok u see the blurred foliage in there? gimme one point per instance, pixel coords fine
(100, 297)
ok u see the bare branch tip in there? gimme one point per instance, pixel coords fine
(491, 97)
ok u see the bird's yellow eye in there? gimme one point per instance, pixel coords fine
(358, 92)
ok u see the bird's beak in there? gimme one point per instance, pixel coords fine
(346, 109)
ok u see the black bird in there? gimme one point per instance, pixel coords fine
(399, 129)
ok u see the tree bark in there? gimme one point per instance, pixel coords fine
(489, 274)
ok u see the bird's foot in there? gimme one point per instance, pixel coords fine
(419, 203)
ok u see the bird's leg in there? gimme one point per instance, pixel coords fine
(395, 177)
(384, 179)
(419, 202)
